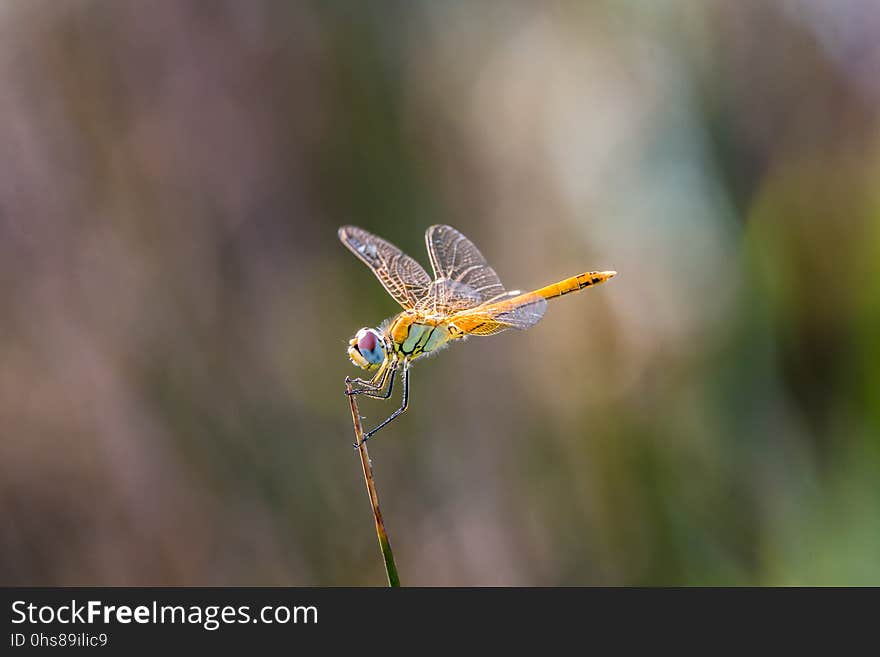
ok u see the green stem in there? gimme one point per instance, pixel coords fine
(381, 534)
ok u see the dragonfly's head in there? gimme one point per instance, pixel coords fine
(367, 349)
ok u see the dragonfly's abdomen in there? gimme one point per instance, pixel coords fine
(575, 283)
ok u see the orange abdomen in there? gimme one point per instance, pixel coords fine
(574, 283)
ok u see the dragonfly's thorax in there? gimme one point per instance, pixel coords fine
(413, 334)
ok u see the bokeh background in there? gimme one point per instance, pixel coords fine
(175, 305)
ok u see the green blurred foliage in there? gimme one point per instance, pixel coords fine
(176, 308)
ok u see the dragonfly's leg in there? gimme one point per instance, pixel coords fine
(378, 394)
(368, 383)
(373, 388)
(378, 380)
(400, 410)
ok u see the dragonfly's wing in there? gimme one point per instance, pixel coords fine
(403, 277)
(446, 297)
(511, 310)
(454, 256)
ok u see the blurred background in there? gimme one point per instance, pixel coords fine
(175, 306)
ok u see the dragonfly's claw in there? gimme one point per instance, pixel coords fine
(361, 386)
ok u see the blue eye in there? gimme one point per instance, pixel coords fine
(367, 342)
(371, 347)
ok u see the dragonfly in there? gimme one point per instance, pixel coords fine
(464, 297)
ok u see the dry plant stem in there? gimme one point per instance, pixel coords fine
(384, 545)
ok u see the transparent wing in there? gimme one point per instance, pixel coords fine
(402, 277)
(512, 310)
(454, 256)
(446, 297)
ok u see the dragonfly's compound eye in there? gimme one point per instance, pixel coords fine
(367, 342)
(367, 349)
